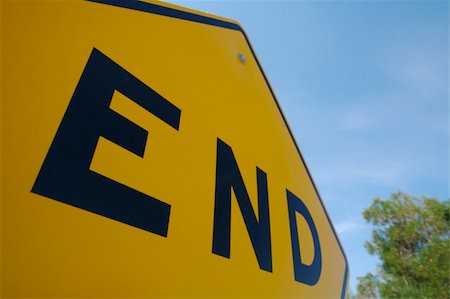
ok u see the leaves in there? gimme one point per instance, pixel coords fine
(411, 238)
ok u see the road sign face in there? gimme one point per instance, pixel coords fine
(144, 154)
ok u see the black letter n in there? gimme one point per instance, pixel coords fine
(228, 176)
(65, 174)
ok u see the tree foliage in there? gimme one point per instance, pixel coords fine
(411, 238)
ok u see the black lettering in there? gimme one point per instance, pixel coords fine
(228, 176)
(308, 274)
(65, 174)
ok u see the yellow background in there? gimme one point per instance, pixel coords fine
(50, 249)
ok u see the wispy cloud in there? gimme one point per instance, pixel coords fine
(419, 65)
(360, 169)
(349, 226)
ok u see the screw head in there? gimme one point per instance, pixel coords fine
(242, 58)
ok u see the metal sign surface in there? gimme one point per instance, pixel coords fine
(144, 155)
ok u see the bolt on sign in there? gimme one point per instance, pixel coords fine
(144, 154)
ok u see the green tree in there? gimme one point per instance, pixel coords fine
(411, 237)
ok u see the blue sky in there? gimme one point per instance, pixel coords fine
(364, 86)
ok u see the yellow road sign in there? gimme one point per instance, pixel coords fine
(144, 155)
